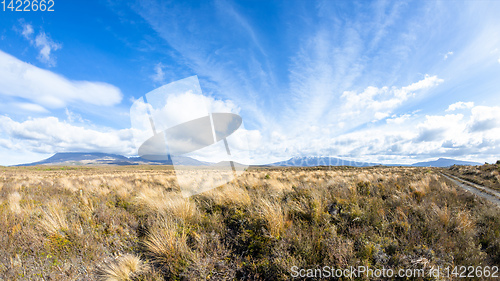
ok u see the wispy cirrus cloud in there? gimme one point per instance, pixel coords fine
(346, 68)
(324, 68)
(231, 70)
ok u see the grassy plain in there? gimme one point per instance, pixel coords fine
(130, 223)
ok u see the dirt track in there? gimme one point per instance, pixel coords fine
(487, 193)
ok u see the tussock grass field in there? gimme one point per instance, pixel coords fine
(130, 223)
(487, 175)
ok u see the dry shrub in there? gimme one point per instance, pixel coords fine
(442, 213)
(157, 201)
(20, 184)
(167, 245)
(150, 199)
(122, 268)
(180, 207)
(163, 180)
(13, 201)
(420, 188)
(319, 201)
(96, 185)
(229, 194)
(124, 191)
(277, 187)
(464, 222)
(364, 177)
(122, 188)
(88, 205)
(67, 184)
(444, 186)
(273, 214)
(31, 207)
(53, 220)
(210, 258)
(115, 182)
(250, 180)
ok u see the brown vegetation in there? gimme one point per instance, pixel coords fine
(130, 223)
(487, 175)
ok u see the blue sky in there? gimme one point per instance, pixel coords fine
(381, 81)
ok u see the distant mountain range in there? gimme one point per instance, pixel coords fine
(96, 158)
(445, 162)
(312, 161)
(332, 161)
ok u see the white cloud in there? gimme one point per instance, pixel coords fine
(180, 102)
(46, 47)
(176, 103)
(484, 118)
(380, 115)
(42, 42)
(436, 127)
(49, 135)
(447, 55)
(460, 105)
(31, 107)
(72, 117)
(48, 89)
(426, 83)
(183, 107)
(159, 75)
(404, 138)
(398, 119)
(377, 102)
(27, 31)
(18, 156)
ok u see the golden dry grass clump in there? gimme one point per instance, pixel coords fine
(273, 214)
(13, 200)
(131, 223)
(53, 220)
(123, 268)
(155, 200)
(166, 244)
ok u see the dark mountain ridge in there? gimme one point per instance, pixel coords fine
(99, 158)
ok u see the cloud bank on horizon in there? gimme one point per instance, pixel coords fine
(378, 82)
